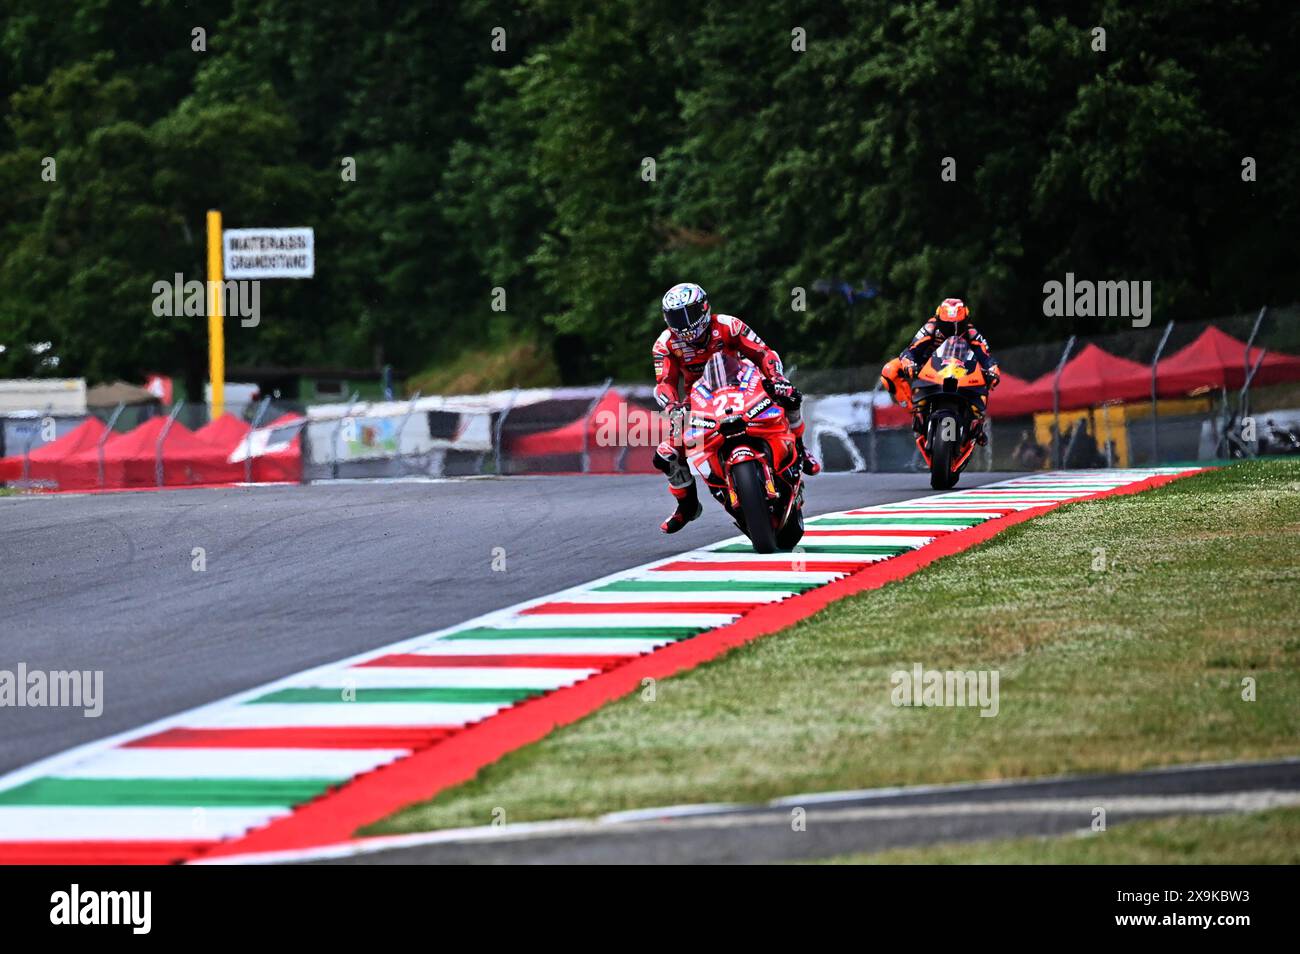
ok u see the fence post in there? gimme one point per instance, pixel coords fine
(586, 418)
(1245, 357)
(334, 437)
(1243, 401)
(162, 436)
(401, 429)
(875, 453)
(501, 423)
(99, 447)
(1155, 437)
(248, 439)
(1056, 403)
(1109, 444)
(988, 447)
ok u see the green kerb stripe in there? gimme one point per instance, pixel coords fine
(166, 792)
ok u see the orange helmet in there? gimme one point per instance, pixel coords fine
(952, 310)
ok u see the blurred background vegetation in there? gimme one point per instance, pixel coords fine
(522, 168)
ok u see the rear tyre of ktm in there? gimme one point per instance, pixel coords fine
(747, 477)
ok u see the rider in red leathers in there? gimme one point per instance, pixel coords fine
(695, 334)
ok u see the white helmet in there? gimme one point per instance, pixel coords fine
(687, 313)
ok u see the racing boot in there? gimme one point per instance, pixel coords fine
(681, 484)
(688, 508)
(809, 464)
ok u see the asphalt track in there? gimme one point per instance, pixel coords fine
(300, 576)
(867, 821)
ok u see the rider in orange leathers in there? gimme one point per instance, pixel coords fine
(694, 334)
(951, 319)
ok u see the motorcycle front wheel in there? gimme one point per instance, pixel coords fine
(943, 452)
(788, 537)
(747, 477)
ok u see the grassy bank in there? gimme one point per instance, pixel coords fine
(1135, 665)
(517, 365)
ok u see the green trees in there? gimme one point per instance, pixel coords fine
(585, 157)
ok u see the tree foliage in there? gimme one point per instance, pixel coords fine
(795, 145)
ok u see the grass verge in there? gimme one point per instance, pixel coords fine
(517, 365)
(1131, 666)
(1258, 838)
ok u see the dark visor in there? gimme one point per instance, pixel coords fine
(686, 319)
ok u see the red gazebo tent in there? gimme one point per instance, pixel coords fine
(1013, 397)
(280, 460)
(604, 433)
(130, 460)
(892, 415)
(1090, 378)
(46, 460)
(1218, 360)
(223, 433)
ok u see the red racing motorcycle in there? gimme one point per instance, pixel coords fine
(738, 438)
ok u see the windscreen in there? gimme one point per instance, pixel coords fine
(954, 349)
(725, 370)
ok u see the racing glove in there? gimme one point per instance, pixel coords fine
(783, 392)
(677, 412)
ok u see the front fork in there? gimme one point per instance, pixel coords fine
(968, 444)
(739, 456)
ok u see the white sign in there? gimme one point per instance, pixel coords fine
(269, 253)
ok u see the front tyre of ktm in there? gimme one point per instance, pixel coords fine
(747, 477)
(943, 452)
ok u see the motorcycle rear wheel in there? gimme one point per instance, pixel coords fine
(747, 477)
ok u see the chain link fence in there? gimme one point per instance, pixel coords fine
(855, 426)
(610, 428)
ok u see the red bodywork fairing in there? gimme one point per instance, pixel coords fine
(733, 419)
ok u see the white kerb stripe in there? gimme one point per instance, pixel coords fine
(285, 714)
(232, 763)
(76, 823)
(475, 677)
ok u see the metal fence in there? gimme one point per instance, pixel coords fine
(610, 428)
(1207, 424)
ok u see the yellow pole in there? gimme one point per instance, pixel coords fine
(216, 330)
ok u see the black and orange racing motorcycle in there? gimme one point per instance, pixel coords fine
(949, 393)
